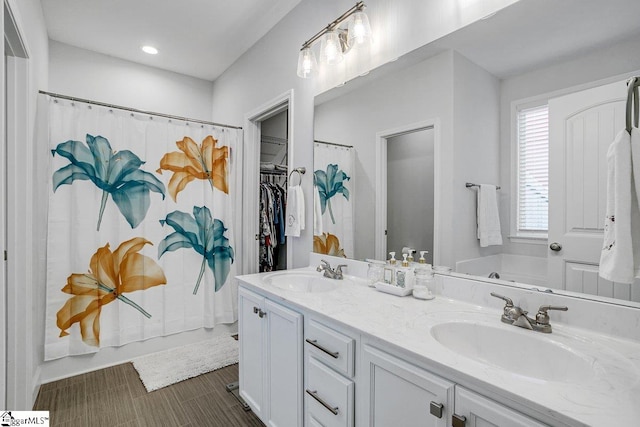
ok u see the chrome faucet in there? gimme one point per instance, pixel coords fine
(330, 272)
(514, 315)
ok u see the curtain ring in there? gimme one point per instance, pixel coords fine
(300, 172)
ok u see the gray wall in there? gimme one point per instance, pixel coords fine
(420, 92)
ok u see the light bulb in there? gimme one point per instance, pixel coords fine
(330, 49)
(307, 64)
(359, 29)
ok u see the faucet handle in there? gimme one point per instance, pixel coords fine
(542, 318)
(325, 263)
(508, 301)
(339, 268)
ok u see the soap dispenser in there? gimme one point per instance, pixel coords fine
(404, 274)
(422, 259)
(392, 260)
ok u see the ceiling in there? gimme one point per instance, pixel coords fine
(202, 38)
(199, 38)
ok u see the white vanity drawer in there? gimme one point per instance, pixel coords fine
(329, 396)
(331, 347)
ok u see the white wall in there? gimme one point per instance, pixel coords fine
(85, 74)
(615, 62)
(476, 116)
(27, 265)
(418, 93)
(268, 69)
(90, 75)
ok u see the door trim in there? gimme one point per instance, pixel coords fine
(381, 184)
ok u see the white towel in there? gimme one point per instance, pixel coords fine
(620, 256)
(488, 218)
(295, 211)
(317, 213)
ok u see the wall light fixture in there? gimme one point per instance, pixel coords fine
(335, 41)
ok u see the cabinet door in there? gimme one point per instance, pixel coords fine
(284, 366)
(482, 412)
(251, 359)
(401, 394)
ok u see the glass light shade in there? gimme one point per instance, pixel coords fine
(330, 49)
(359, 29)
(307, 64)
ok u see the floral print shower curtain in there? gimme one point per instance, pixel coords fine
(333, 167)
(140, 238)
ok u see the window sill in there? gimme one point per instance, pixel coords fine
(531, 240)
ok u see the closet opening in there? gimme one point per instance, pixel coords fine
(268, 159)
(274, 142)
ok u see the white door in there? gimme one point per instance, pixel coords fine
(284, 366)
(251, 326)
(582, 125)
(473, 410)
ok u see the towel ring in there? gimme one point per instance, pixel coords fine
(300, 172)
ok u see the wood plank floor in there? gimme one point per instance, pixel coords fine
(115, 396)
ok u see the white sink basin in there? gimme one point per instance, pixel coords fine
(302, 281)
(519, 351)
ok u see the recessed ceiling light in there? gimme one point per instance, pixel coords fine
(150, 50)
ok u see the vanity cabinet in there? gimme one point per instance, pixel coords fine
(330, 376)
(271, 357)
(474, 410)
(402, 394)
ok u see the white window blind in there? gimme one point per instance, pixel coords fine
(533, 170)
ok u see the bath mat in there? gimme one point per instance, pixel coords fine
(168, 367)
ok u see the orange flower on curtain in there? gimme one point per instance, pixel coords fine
(328, 244)
(111, 274)
(197, 162)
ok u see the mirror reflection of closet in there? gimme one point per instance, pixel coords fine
(410, 179)
(273, 186)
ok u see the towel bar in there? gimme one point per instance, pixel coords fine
(470, 184)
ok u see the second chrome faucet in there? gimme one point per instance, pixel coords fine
(514, 315)
(330, 272)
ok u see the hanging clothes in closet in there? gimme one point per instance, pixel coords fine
(273, 196)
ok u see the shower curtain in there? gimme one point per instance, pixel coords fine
(333, 167)
(140, 239)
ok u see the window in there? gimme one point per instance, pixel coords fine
(533, 171)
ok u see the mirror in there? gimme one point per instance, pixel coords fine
(467, 87)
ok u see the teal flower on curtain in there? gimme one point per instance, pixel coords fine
(329, 184)
(204, 235)
(116, 173)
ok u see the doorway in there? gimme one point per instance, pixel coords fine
(274, 149)
(410, 160)
(407, 190)
(274, 120)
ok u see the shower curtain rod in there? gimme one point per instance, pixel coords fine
(333, 143)
(135, 110)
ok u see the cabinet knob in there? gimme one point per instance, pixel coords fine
(436, 409)
(458, 420)
(261, 313)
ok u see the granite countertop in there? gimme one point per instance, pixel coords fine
(611, 396)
